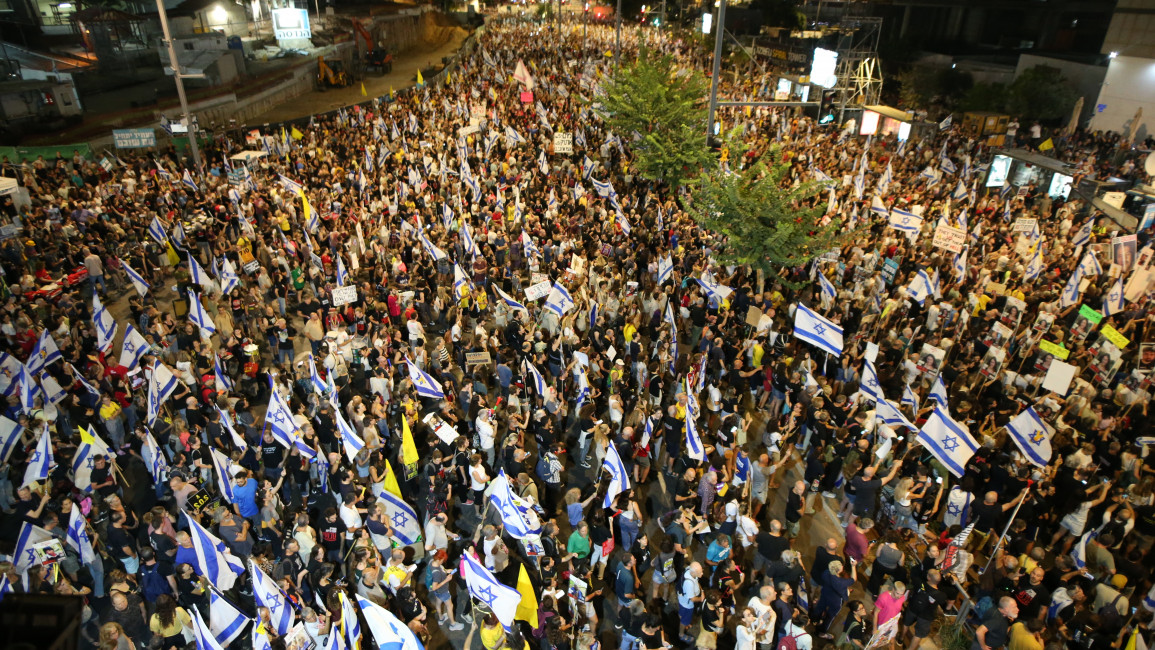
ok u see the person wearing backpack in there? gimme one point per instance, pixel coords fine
(689, 595)
(794, 636)
(156, 579)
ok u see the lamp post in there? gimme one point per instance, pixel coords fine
(179, 77)
(618, 50)
(718, 29)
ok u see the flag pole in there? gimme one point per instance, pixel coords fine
(1006, 529)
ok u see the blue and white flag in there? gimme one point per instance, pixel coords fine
(603, 188)
(213, 559)
(960, 191)
(319, 385)
(24, 555)
(10, 368)
(1079, 550)
(1035, 266)
(349, 622)
(665, 268)
(536, 376)
(960, 262)
(10, 433)
(138, 282)
(268, 594)
(352, 442)
(878, 207)
(388, 631)
(283, 427)
(907, 222)
(260, 638)
(1070, 295)
(920, 287)
(817, 331)
(891, 415)
(203, 634)
(715, 291)
(1113, 302)
(514, 512)
(77, 536)
(694, 447)
(909, 398)
(161, 385)
(197, 273)
(500, 599)
(885, 179)
(157, 232)
(948, 441)
(29, 389)
(1032, 436)
(403, 519)
(199, 316)
(103, 323)
(559, 300)
(224, 382)
(505, 297)
(44, 354)
(828, 290)
(468, 242)
(153, 457)
(938, 392)
(1089, 265)
(227, 422)
(133, 348)
(530, 247)
(41, 462)
(187, 179)
(84, 460)
(1083, 235)
(619, 477)
(223, 468)
(870, 385)
(425, 385)
(226, 622)
(292, 186)
(342, 274)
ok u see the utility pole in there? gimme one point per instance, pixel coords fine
(178, 76)
(718, 29)
(618, 50)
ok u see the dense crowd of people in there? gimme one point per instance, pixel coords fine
(413, 375)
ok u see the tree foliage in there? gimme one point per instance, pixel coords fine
(1041, 93)
(661, 113)
(926, 86)
(985, 97)
(769, 223)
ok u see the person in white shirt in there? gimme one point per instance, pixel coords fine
(486, 434)
(797, 628)
(350, 516)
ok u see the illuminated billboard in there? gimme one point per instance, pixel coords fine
(822, 68)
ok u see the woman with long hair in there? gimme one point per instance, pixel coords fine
(169, 623)
(112, 637)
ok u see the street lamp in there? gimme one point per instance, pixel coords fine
(178, 76)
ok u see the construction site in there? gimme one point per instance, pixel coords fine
(237, 72)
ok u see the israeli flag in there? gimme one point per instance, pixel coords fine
(948, 166)
(948, 441)
(157, 232)
(559, 300)
(283, 427)
(77, 536)
(402, 518)
(694, 448)
(1079, 550)
(1083, 235)
(104, 324)
(349, 622)
(509, 300)
(890, 415)
(905, 221)
(24, 555)
(530, 247)
(292, 186)
(543, 164)
(960, 192)
(84, 461)
(500, 599)
(213, 559)
(133, 348)
(885, 180)
(1035, 266)
(827, 288)
(665, 268)
(197, 274)
(28, 389)
(1113, 301)
(44, 354)
(153, 458)
(583, 386)
(268, 594)
(352, 442)
(619, 477)
(469, 243)
(1070, 295)
(870, 385)
(224, 382)
(514, 512)
(198, 315)
(817, 331)
(536, 376)
(960, 262)
(423, 383)
(342, 274)
(1032, 436)
(1089, 265)
(878, 207)
(138, 282)
(716, 292)
(223, 468)
(187, 179)
(938, 392)
(41, 462)
(909, 398)
(920, 287)
(238, 440)
(226, 622)
(604, 189)
(10, 369)
(319, 386)
(388, 631)
(10, 433)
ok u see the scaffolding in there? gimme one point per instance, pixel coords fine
(859, 72)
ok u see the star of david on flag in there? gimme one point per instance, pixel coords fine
(948, 441)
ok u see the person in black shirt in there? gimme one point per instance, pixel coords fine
(987, 515)
(924, 608)
(27, 508)
(995, 630)
(101, 476)
(330, 533)
(823, 556)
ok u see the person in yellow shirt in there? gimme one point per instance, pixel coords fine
(169, 622)
(1026, 635)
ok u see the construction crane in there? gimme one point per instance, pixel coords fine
(331, 74)
(374, 56)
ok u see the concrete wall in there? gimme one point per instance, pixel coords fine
(1086, 79)
(1129, 86)
(1132, 29)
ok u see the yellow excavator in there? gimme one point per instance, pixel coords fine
(331, 74)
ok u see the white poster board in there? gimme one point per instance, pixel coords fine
(1059, 377)
(539, 290)
(563, 143)
(344, 295)
(949, 238)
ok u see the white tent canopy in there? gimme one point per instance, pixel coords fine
(8, 186)
(246, 156)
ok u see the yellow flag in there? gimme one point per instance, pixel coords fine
(363, 93)
(420, 79)
(297, 135)
(391, 93)
(609, 53)
(86, 437)
(448, 77)
(408, 448)
(391, 485)
(1046, 145)
(173, 258)
(305, 207)
(527, 608)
